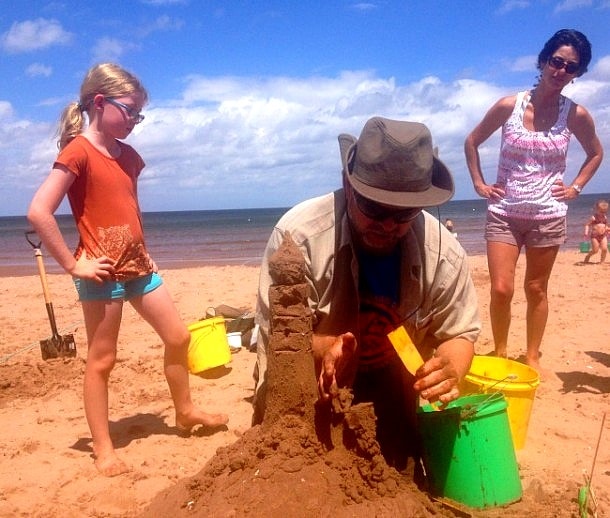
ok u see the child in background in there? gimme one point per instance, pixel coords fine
(597, 229)
(111, 265)
(449, 226)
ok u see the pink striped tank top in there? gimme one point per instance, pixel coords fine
(530, 162)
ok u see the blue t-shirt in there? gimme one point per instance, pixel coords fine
(379, 288)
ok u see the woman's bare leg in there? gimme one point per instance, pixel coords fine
(540, 263)
(501, 261)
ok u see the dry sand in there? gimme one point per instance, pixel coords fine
(46, 467)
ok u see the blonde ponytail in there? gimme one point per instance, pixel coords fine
(71, 124)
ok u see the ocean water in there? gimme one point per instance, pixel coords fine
(225, 237)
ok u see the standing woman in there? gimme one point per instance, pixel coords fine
(527, 203)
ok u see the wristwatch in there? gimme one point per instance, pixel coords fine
(577, 188)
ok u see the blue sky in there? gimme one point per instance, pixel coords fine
(247, 97)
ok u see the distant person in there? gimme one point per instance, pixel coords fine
(527, 203)
(449, 227)
(376, 261)
(111, 265)
(597, 229)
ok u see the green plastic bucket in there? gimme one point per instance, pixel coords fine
(468, 451)
(585, 247)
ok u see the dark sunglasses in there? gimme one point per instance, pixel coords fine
(377, 212)
(557, 63)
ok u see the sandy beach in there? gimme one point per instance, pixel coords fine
(46, 465)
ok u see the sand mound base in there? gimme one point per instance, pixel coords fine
(284, 470)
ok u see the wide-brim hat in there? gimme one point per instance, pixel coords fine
(393, 163)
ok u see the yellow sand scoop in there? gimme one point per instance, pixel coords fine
(406, 349)
(408, 353)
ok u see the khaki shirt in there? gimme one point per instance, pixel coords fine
(437, 297)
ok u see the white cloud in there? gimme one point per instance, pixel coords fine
(6, 111)
(523, 64)
(571, 5)
(364, 6)
(511, 5)
(34, 35)
(52, 101)
(164, 2)
(161, 24)
(254, 142)
(111, 49)
(601, 69)
(38, 69)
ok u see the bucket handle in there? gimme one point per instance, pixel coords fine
(207, 332)
(211, 328)
(508, 377)
(471, 411)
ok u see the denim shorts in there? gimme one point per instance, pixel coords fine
(520, 232)
(114, 290)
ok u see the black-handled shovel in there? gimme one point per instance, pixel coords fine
(58, 345)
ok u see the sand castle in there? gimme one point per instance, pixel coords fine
(306, 458)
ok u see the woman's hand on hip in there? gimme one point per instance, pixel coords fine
(563, 192)
(490, 192)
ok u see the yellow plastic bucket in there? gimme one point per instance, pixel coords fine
(209, 347)
(518, 383)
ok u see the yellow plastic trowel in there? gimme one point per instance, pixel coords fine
(408, 353)
(406, 349)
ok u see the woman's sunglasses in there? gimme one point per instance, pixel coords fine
(557, 63)
(377, 212)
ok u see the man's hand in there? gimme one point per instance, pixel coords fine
(338, 361)
(438, 378)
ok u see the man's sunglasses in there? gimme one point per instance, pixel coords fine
(557, 63)
(377, 212)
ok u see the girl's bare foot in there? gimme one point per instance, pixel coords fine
(185, 423)
(110, 465)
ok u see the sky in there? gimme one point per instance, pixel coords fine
(247, 98)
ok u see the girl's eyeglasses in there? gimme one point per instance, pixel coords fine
(134, 115)
(557, 63)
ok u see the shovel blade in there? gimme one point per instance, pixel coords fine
(58, 347)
